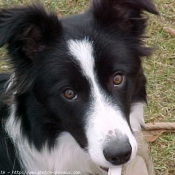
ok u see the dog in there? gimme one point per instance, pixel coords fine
(77, 89)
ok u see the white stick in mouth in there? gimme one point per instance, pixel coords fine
(115, 170)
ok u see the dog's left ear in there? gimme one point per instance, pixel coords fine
(27, 30)
(124, 14)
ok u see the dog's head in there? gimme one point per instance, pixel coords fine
(84, 71)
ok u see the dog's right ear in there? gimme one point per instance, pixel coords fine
(127, 15)
(28, 30)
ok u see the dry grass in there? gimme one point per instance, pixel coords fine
(159, 69)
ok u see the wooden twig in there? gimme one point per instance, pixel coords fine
(170, 126)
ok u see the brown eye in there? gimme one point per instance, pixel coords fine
(69, 94)
(118, 79)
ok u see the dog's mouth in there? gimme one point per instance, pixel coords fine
(113, 170)
(104, 169)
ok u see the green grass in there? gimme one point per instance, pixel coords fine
(160, 72)
(159, 69)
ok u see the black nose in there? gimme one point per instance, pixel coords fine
(117, 151)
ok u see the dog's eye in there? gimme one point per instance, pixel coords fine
(118, 79)
(69, 94)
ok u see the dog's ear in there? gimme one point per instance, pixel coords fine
(27, 30)
(127, 14)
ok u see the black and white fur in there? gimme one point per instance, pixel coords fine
(41, 129)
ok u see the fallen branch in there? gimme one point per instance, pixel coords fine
(154, 130)
(170, 126)
(169, 30)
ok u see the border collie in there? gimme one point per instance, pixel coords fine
(77, 91)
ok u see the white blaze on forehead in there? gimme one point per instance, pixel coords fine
(82, 51)
(103, 117)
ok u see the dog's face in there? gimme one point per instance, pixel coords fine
(90, 87)
(85, 70)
